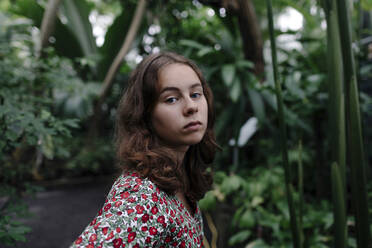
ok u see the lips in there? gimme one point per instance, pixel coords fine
(192, 124)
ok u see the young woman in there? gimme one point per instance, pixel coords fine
(165, 142)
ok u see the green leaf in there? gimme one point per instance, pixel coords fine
(230, 184)
(191, 43)
(235, 90)
(228, 74)
(245, 64)
(47, 146)
(247, 220)
(208, 202)
(205, 50)
(77, 13)
(257, 104)
(257, 200)
(239, 237)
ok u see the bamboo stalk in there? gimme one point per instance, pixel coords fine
(283, 132)
(338, 207)
(337, 122)
(355, 155)
(300, 191)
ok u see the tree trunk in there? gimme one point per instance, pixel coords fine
(47, 24)
(251, 35)
(249, 30)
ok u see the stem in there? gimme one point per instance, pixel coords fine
(283, 132)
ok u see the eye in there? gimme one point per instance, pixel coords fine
(196, 95)
(171, 100)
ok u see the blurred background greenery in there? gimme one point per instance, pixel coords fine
(65, 63)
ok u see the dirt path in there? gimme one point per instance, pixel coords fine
(62, 212)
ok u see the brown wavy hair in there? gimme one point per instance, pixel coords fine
(137, 146)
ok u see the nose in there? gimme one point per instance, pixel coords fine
(191, 106)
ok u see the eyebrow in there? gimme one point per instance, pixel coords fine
(177, 89)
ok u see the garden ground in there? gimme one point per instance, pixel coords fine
(62, 211)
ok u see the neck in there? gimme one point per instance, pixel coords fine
(180, 154)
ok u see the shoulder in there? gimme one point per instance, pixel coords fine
(132, 185)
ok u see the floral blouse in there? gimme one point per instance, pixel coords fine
(137, 213)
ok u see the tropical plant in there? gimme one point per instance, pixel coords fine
(30, 129)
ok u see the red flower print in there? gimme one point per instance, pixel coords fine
(93, 222)
(117, 242)
(154, 210)
(135, 188)
(107, 207)
(131, 236)
(92, 237)
(124, 195)
(161, 219)
(183, 244)
(145, 218)
(78, 241)
(110, 236)
(154, 197)
(130, 226)
(96, 226)
(153, 231)
(139, 209)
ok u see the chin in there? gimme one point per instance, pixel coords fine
(194, 140)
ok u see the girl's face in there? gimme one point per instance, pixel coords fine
(180, 114)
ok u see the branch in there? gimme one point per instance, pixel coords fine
(107, 83)
(213, 229)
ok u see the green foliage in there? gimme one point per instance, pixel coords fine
(31, 130)
(262, 215)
